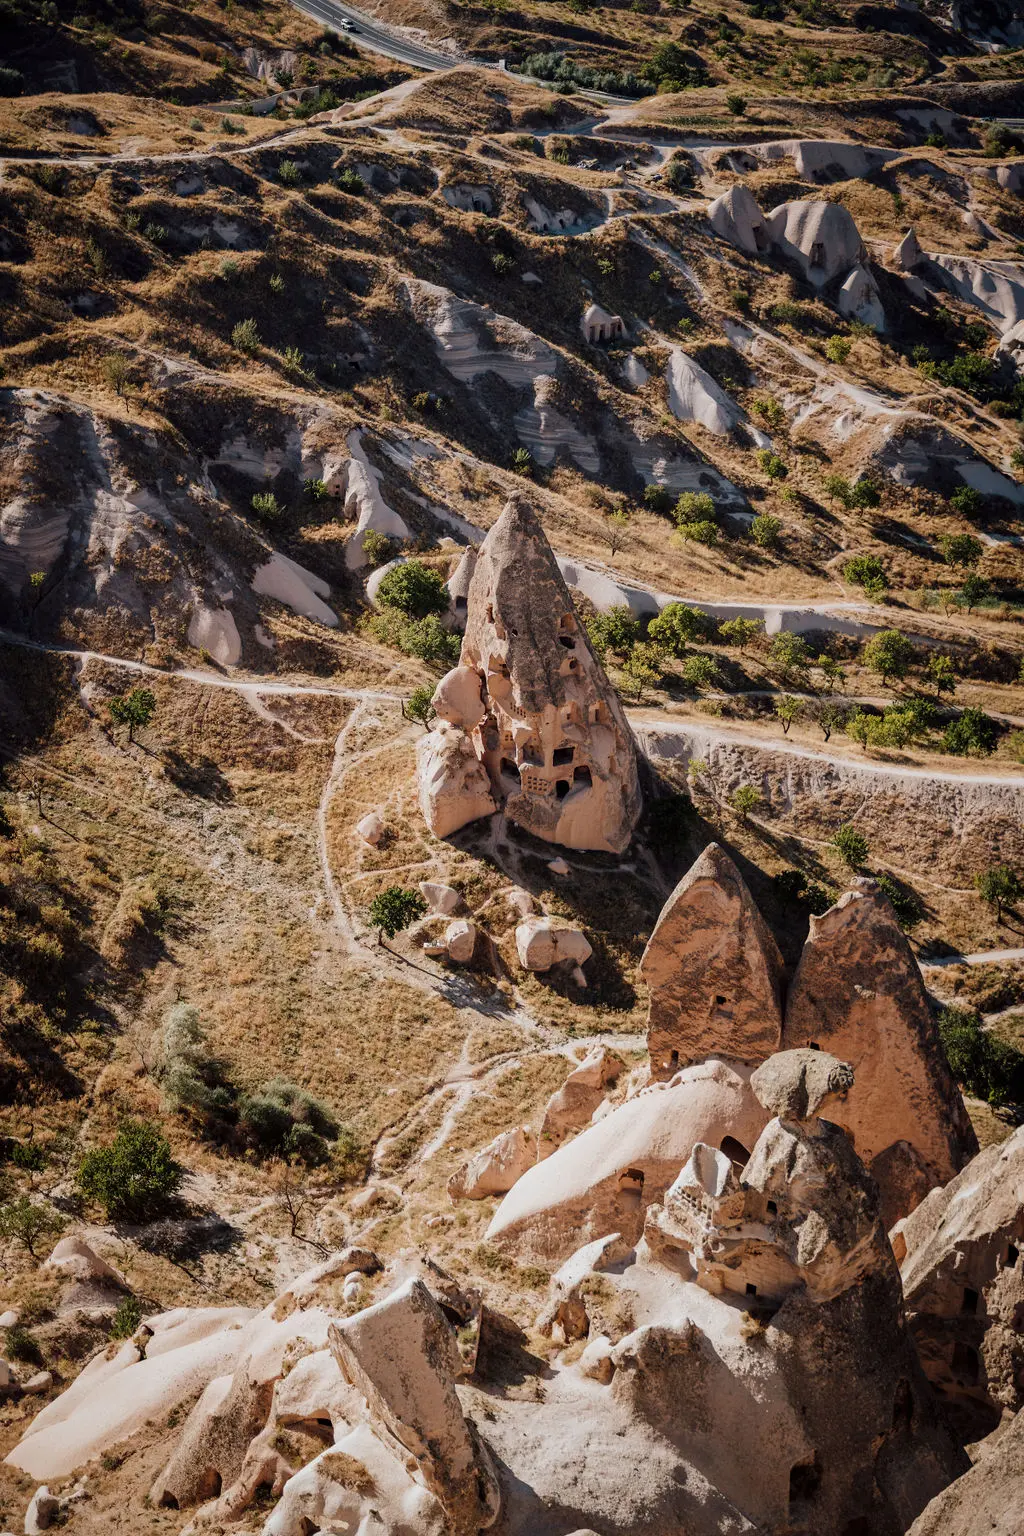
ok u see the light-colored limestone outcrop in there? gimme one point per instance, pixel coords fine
(908, 254)
(400, 1354)
(553, 741)
(693, 395)
(460, 940)
(859, 299)
(994, 287)
(985, 1501)
(444, 899)
(713, 970)
(472, 340)
(736, 217)
(961, 1257)
(371, 828)
(820, 238)
(572, 1106)
(454, 788)
(603, 1180)
(542, 942)
(858, 993)
(495, 1168)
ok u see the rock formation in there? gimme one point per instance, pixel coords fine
(572, 1106)
(541, 942)
(603, 1180)
(736, 217)
(908, 254)
(713, 970)
(495, 1168)
(530, 703)
(858, 993)
(820, 238)
(458, 585)
(859, 299)
(598, 325)
(961, 1257)
(986, 1501)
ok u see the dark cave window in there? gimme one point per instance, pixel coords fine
(969, 1301)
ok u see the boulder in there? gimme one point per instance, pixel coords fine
(457, 698)
(986, 1500)
(42, 1381)
(596, 1360)
(454, 788)
(858, 993)
(859, 299)
(736, 217)
(401, 1355)
(819, 238)
(75, 1260)
(371, 828)
(460, 940)
(796, 1085)
(542, 942)
(559, 867)
(961, 1257)
(694, 396)
(444, 899)
(713, 970)
(42, 1511)
(908, 254)
(603, 1179)
(521, 901)
(571, 1107)
(495, 1168)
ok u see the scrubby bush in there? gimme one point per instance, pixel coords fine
(414, 589)
(905, 901)
(972, 732)
(851, 846)
(766, 530)
(773, 466)
(693, 506)
(30, 1223)
(744, 800)
(985, 1065)
(135, 1177)
(351, 182)
(426, 638)
(1000, 887)
(658, 499)
(678, 625)
(793, 885)
(617, 631)
(126, 1319)
(702, 532)
(288, 173)
(737, 105)
(246, 336)
(266, 506)
(377, 547)
(961, 549)
(699, 672)
(281, 1119)
(135, 709)
(838, 348)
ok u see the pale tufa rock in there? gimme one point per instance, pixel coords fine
(460, 940)
(454, 788)
(495, 1168)
(572, 1106)
(370, 828)
(443, 899)
(820, 238)
(42, 1511)
(713, 970)
(859, 299)
(542, 942)
(559, 867)
(908, 254)
(736, 217)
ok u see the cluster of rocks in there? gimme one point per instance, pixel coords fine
(528, 722)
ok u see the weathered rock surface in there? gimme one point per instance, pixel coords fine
(495, 1168)
(908, 254)
(571, 1107)
(371, 828)
(961, 1256)
(986, 1501)
(858, 993)
(603, 1180)
(820, 238)
(454, 788)
(460, 940)
(542, 942)
(554, 740)
(444, 899)
(713, 970)
(859, 299)
(736, 217)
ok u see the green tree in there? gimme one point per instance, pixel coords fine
(889, 653)
(393, 910)
(698, 533)
(838, 488)
(414, 589)
(866, 571)
(134, 709)
(788, 656)
(616, 528)
(851, 846)
(618, 631)
(858, 727)
(941, 674)
(678, 625)
(773, 466)
(643, 668)
(999, 887)
(766, 531)
(657, 499)
(831, 671)
(830, 717)
(699, 672)
(377, 547)
(135, 1177)
(117, 371)
(788, 709)
(266, 506)
(837, 348)
(29, 1223)
(971, 732)
(961, 549)
(419, 705)
(974, 591)
(985, 1065)
(744, 801)
(740, 632)
(692, 507)
(967, 501)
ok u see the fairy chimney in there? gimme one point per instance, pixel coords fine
(713, 970)
(858, 993)
(552, 735)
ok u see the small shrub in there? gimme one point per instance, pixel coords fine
(737, 105)
(972, 732)
(745, 800)
(766, 531)
(21, 1346)
(351, 182)
(288, 173)
(246, 337)
(377, 547)
(657, 499)
(851, 846)
(967, 501)
(126, 1319)
(865, 571)
(414, 589)
(135, 1177)
(905, 901)
(773, 466)
(701, 532)
(693, 506)
(522, 461)
(277, 284)
(838, 348)
(266, 506)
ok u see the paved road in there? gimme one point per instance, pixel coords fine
(370, 34)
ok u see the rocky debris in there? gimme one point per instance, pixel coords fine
(859, 299)
(1011, 347)
(400, 1354)
(693, 395)
(858, 993)
(458, 700)
(559, 867)
(961, 1257)
(565, 1317)
(713, 970)
(10, 1318)
(495, 1168)
(736, 217)
(603, 1179)
(596, 1360)
(521, 901)
(819, 238)
(986, 1500)
(454, 787)
(42, 1512)
(553, 742)
(460, 940)
(371, 828)
(572, 1106)
(908, 254)
(542, 942)
(444, 899)
(458, 588)
(41, 1382)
